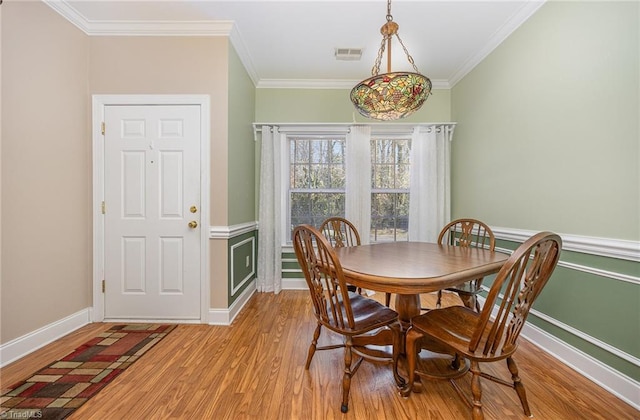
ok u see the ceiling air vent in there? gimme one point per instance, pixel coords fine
(348, 54)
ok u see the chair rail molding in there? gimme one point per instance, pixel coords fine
(604, 247)
(228, 232)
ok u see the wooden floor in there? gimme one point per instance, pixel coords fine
(254, 369)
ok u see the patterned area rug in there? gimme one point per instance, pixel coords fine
(60, 388)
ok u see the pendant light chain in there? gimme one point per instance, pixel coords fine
(376, 66)
(407, 53)
(386, 36)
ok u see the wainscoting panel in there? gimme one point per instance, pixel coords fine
(242, 243)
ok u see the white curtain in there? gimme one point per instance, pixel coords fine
(430, 194)
(358, 184)
(269, 275)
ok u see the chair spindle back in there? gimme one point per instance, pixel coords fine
(340, 232)
(467, 233)
(325, 279)
(520, 282)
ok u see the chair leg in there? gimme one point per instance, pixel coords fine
(477, 283)
(519, 387)
(439, 301)
(468, 300)
(455, 363)
(387, 299)
(397, 341)
(346, 379)
(312, 347)
(411, 351)
(476, 392)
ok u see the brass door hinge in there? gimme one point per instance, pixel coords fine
(103, 286)
(104, 208)
(102, 128)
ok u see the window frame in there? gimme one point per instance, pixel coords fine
(315, 132)
(320, 134)
(310, 164)
(393, 137)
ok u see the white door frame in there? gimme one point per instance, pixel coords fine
(98, 104)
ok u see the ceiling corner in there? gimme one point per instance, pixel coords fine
(518, 18)
(69, 13)
(243, 53)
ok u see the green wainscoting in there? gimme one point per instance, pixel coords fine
(243, 251)
(587, 306)
(290, 266)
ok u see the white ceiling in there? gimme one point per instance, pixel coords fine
(292, 43)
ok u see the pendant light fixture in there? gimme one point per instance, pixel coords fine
(392, 95)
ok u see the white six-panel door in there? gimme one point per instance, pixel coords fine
(152, 212)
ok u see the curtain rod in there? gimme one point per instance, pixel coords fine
(257, 126)
(351, 124)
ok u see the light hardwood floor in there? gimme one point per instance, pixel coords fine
(254, 369)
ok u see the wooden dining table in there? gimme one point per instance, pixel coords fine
(410, 268)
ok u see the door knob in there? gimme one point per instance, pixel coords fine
(193, 224)
(193, 209)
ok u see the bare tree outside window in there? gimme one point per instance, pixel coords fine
(390, 175)
(316, 180)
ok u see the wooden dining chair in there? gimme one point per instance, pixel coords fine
(340, 232)
(467, 233)
(346, 313)
(476, 338)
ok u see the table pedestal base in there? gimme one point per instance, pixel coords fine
(407, 307)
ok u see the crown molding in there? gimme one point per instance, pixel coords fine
(140, 28)
(160, 28)
(69, 13)
(518, 18)
(325, 84)
(243, 53)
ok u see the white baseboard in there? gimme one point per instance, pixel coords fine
(28, 343)
(226, 316)
(618, 384)
(294, 284)
(613, 381)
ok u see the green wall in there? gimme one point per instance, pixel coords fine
(334, 106)
(550, 122)
(548, 139)
(242, 175)
(241, 200)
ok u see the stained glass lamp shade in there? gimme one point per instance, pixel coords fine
(392, 95)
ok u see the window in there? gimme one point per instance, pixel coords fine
(390, 175)
(316, 180)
